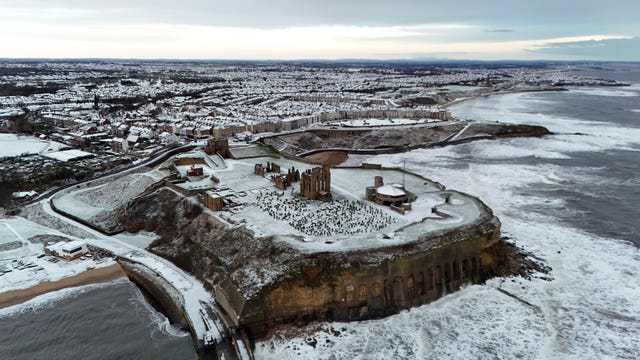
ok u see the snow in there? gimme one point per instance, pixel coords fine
(141, 239)
(14, 145)
(390, 190)
(68, 155)
(23, 194)
(88, 203)
(18, 229)
(588, 309)
(348, 222)
(381, 122)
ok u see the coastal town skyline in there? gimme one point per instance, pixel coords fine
(287, 30)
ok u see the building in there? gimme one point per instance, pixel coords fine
(218, 145)
(195, 171)
(213, 201)
(67, 250)
(315, 184)
(393, 195)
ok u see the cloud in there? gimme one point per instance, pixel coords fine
(500, 31)
(285, 13)
(627, 49)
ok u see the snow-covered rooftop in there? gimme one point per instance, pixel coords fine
(391, 190)
(68, 155)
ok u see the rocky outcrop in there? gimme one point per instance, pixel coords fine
(394, 139)
(263, 283)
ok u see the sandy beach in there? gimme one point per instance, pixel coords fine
(92, 276)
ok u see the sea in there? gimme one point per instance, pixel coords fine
(570, 200)
(102, 321)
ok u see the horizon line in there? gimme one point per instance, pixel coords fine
(274, 60)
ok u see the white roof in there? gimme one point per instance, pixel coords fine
(72, 245)
(23, 194)
(390, 190)
(68, 155)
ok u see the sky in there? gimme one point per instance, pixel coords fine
(330, 29)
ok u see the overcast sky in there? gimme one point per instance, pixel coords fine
(330, 29)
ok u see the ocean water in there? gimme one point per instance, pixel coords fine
(107, 321)
(572, 200)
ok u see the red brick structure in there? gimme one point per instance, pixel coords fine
(213, 202)
(195, 171)
(260, 169)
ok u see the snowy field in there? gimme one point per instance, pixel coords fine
(14, 145)
(97, 203)
(588, 310)
(68, 155)
(141, 239)
(381, 122)
(348, 222)
(42, 270)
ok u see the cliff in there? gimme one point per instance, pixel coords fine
(263, 283)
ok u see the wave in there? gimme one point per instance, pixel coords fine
(157, 319)
(511, 108)
(587, 309)
(604, 92)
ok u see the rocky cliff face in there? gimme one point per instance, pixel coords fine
(396, 139)
(203, 245)
(267, 283)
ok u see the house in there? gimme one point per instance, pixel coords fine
(67, 250)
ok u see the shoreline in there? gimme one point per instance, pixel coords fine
(501, 92)
(92, 276)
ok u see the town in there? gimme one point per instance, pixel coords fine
(87, 118)
(221, 188)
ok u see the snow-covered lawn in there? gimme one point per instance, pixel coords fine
(98, 203)
(14, 145)
(381, 122)
(141, 239)
(349, 221)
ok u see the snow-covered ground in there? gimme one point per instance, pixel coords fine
(95, 203)
(14, 145)
(381, 122)
(42, 270)
(67, 155)
(590, 307)
(141, 239)
(192, 294)
(349, 222)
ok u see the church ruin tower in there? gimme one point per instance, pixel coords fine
(315, 184)
(218, 146)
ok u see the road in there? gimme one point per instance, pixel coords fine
(205, 317)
